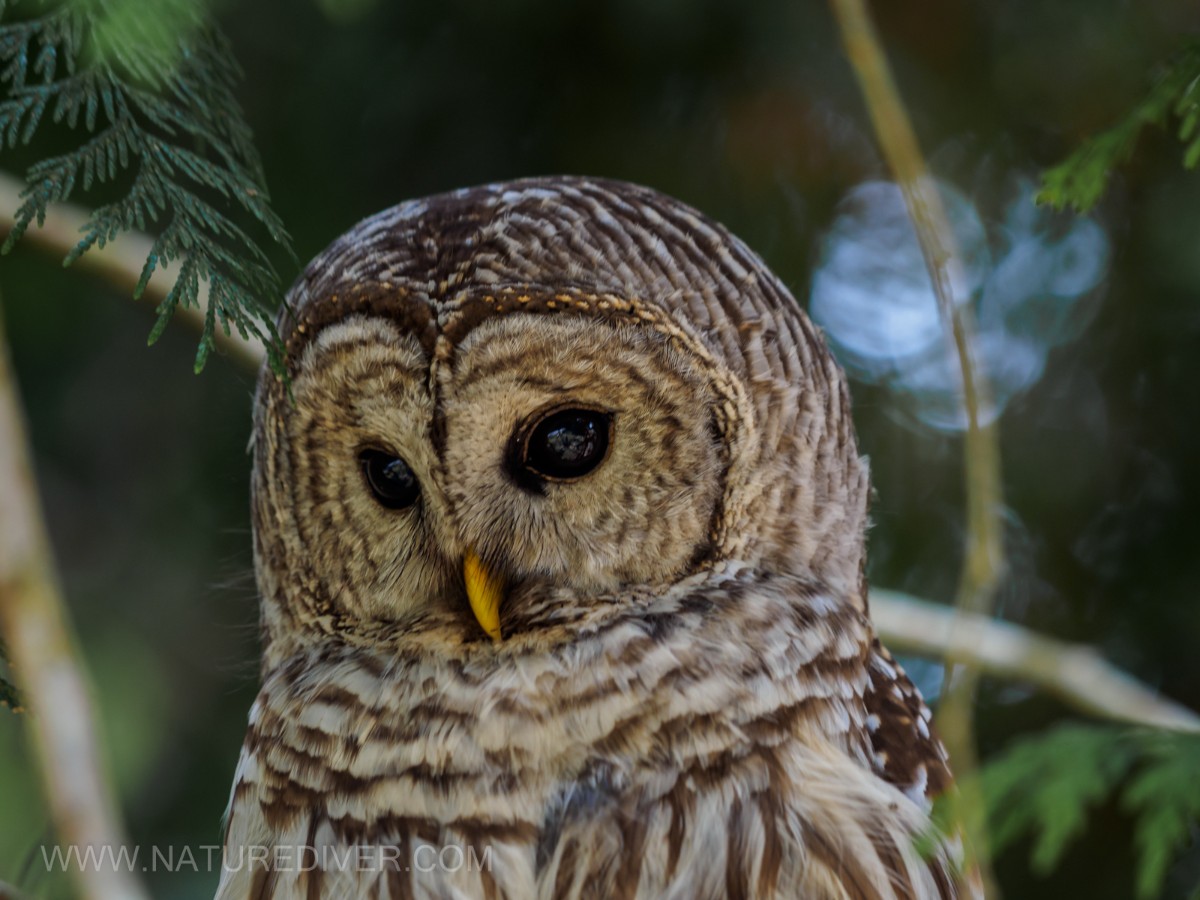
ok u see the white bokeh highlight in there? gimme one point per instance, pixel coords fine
(1031, 287)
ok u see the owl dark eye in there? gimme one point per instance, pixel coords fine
(389, 478)
(567, 444)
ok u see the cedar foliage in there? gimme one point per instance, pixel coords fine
(1045, 785)
(1081, 179)
(150, 83)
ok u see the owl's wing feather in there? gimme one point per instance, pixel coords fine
(905, 750)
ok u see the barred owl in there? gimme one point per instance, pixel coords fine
(559, 531)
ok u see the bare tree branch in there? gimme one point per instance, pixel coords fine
(42, 653)
(1075, 673)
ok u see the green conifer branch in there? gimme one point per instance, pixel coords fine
(1081, 179)
(1164, 798)
(1044, 786)
(154, 90)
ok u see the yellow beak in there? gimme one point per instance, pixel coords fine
(485, 590)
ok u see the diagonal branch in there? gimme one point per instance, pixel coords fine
(120, 261)
(1075, 673)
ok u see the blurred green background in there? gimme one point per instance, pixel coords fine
(749, 111)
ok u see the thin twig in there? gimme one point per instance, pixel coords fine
(983, 565)
(42, 652)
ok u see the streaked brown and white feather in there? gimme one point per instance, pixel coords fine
(689, 700)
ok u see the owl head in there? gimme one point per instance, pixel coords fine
(513, 409)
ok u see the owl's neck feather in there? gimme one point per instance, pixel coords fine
(731, 684)
(773, 649)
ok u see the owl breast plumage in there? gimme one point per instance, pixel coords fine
(559, 530)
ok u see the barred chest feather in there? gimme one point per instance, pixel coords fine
(773, 750)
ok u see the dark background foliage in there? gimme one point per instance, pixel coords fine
(748, 111)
